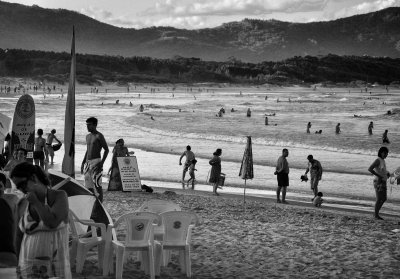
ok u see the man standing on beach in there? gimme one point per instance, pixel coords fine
(315, 169)
(92, 164)
(38, 153)
(189, 158)
(282, 175)
(49, 149)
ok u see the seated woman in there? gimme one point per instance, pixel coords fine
(120, 150)
(44, 250)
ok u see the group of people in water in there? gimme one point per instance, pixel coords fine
(385, 138)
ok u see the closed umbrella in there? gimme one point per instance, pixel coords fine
(246, 168)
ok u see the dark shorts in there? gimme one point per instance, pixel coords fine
(38, 155)
(283, 179)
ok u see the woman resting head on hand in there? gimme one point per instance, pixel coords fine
(44, 217)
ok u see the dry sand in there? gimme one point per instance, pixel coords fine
(269, 240)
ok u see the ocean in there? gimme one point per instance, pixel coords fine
(188, 116)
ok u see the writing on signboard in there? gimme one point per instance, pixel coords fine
(129, 172)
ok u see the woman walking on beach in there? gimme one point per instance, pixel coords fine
(378, 169)
(308, 127)
(44, 250)
(120, 150)
(215, 163)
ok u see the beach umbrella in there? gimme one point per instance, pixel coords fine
(81, 201)
(246, 168)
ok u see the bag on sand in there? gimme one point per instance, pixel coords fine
(56, 146)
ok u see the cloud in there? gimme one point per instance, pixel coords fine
(232, 7)
(108, 17)
(364, 7)
(188, 22)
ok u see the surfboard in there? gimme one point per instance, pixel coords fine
(4, 128)
(23, 126)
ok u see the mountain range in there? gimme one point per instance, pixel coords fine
(250, 40)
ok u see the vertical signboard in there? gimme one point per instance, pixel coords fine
(129, 172)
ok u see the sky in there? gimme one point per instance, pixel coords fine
(197, 14)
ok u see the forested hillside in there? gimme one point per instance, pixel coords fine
(94, 69)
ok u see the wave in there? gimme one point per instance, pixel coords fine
(258, 141)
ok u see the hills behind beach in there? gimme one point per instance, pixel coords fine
(250, 40)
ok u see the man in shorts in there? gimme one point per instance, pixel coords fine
(315, 169)
(92, 164)
(49, 148)
(38, 153)
(189, 158)
(282, 175)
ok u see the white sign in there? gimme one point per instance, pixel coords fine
(129, 173)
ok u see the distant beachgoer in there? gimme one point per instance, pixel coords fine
(130, 104)
(378, 169)
(117, 102)
(308, 127)
(315, 169)
(318, 132)
(337, 131)
(266, 97)
(248, 112)
(192, 169)
(40, 145)
(215, 172)
(141, 108)
(188, 153)
(92, 163)
(49, 149)
(119, 150)
(44, 224)
(232, 110)
(318, 200)
(370, 127)
(385, 138)
(282, 175)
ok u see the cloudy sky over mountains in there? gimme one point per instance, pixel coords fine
(195, 14)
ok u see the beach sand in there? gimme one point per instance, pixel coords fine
(269, 240)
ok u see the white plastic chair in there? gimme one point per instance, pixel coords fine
(138, 237)
(178, 234)
(81, 244)
(158, 207)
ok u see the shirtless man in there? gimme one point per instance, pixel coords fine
(49, 149)
(189, 158)
(38, 153)
(92, 164)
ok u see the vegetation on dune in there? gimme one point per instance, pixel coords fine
(93, 69)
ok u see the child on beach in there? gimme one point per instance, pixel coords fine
(192, 169)
(318, 200)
